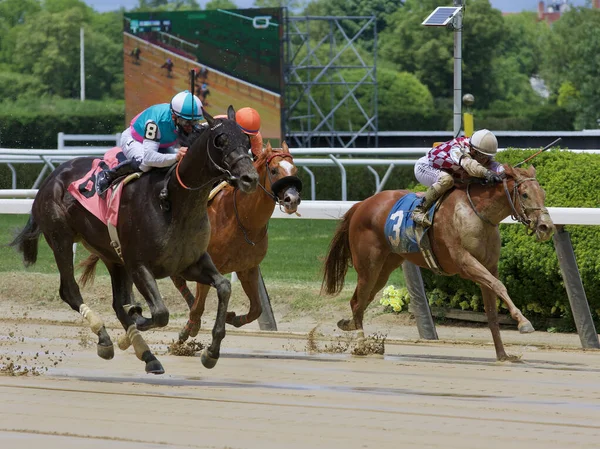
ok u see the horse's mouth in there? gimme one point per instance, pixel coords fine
(290, 200)
(544, 230)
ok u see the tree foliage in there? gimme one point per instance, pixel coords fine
(572, 61)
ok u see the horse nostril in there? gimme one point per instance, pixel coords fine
(543, 228)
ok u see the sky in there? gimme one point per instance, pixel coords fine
(502, 5)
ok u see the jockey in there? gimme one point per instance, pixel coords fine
(457, 158)
(151, 139)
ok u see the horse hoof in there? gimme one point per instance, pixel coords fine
(154, 367)
(526, 328)
(123, 342)
(143, 324)
(184, 334)
(207, 360)
(106, 352)
(345, 325)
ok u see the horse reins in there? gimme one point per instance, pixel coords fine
(224, 172)
(516, 215)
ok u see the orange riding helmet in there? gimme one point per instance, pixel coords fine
(249, 120)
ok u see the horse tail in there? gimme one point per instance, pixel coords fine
(89, 270)
(338, 257)
(26, 242)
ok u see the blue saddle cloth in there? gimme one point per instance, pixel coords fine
(400, 230)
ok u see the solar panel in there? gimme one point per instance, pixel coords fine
(441, 16)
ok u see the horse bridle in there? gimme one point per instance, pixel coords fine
(225, 172)
(274, 194)
(517, 215)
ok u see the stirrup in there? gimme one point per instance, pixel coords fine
(102, 183)
(421, 218)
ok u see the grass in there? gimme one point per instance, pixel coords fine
(297, 248)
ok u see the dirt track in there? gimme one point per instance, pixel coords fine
(268, 392)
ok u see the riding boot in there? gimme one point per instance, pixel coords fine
(105, 178)
(419, 214)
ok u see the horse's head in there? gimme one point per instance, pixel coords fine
(527, 201)
(228, 148)
(280, 176)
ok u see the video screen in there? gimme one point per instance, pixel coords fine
(236, 56)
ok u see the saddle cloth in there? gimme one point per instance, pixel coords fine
(84, 190)
(400, 229)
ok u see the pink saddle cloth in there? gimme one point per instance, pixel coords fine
(84, 190)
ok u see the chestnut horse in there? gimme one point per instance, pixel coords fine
(239, 239)
(160, 236)
(464, 237)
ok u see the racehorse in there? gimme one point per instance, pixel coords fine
(239, 239)
(163, 228)
(464, 237)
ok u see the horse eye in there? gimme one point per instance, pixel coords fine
(274, 171)
(221, 140)
(525, 196)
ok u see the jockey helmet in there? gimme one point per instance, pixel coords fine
(485, 142)
(249, 120)
(187, 106)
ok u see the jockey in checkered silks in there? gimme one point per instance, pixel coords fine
(458, 158)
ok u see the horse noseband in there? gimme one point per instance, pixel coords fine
(287, 182)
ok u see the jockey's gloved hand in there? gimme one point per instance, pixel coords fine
(492, 177)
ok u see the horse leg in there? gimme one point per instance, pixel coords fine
(145, 283)
(249, 281)
(205, 272)
(196, 310)
(368, 260)
(122, 296)
(61, 243)
(489, 302)
(181, 285)
(392, 262)
(478, 273)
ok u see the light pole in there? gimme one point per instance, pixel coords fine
(452, 17)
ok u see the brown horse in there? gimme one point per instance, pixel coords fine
(163, 228)
(239, 239)
(464, 238)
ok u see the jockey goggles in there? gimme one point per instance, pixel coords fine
(184, 122)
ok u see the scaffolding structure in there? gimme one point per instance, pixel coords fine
(330, 92)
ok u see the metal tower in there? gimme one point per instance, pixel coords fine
(330, 91)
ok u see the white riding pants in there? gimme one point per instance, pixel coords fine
(425, 173)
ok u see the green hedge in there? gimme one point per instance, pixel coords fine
(36, 124)
(528, 268)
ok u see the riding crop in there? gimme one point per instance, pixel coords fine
(547, 147)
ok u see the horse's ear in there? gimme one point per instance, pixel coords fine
(209, 118)
(231, 113)
(285, 147)
(531, 171)
(269, 147)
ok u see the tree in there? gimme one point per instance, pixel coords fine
(572, 55)
(290, 4)
(220, 4)
(381, 9)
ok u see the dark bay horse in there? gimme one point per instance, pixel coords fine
(239, 239)
(464, 237)
(159, 237)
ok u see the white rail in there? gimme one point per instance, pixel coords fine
(19, 202)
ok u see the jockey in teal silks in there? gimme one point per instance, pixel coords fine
(151, 139)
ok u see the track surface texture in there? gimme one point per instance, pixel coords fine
(288, 390)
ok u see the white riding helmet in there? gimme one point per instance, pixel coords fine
(485, 142)
(187, 106)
